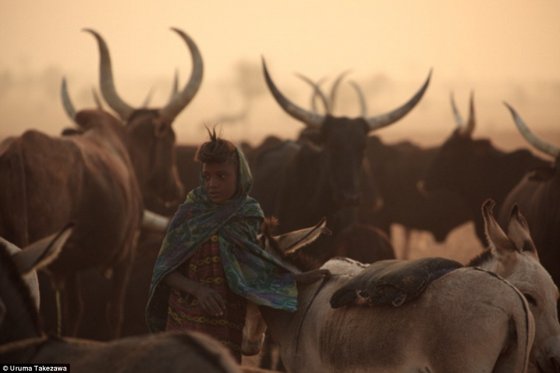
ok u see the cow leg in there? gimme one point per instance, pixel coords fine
(115, 306)
(48, 309)
(74, 304)
(407, 233)
(68, 304)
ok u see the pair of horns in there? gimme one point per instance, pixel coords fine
(329, 103)
(67, 104)
(178, 101)
(316, 120)
(465, 128)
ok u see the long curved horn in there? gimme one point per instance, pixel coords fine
(154, 222)
(182, 99)
(175, 86)
(148, 98)
(106, 82)
(468, 128)
(361, 98)
(459, 122)
(383, 120)
(314, 98)
(66, 101)
(531, 137)
(334, 89)
(97, 100)
(317, 92)
(310, 119)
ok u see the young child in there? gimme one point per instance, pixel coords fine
(210, 262)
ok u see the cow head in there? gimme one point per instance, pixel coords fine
(341, 141)
(151, 137)
(458, 157)
(107, 126)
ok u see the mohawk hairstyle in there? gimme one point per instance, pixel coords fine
(217, 150)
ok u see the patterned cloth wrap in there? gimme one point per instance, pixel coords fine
(185, 313)
(250, 271)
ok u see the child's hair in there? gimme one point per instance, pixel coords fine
(217, 150)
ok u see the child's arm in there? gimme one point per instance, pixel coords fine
(210, 300)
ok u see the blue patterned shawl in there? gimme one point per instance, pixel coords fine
(250, 271)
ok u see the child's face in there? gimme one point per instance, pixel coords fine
(220, 180)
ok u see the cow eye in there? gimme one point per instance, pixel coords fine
(532, 301)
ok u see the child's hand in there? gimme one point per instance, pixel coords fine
(210, 301)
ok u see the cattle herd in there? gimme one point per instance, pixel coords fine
(82, 216)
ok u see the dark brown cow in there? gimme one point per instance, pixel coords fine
(397, 169)
(538, 195)
(87, 179)
(151, 135)
(150, 142)
(302, 182)
(476, 169)
(364, 243)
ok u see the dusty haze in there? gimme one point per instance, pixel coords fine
(502, 50)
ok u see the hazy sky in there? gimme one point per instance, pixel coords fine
(501, 49)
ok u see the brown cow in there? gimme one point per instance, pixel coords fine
(475, 169)
(395, 171)
(150, 140)
(87, 179)
(22, 340)
(538, 194)
(468, 320)
(301, 182)
(151, 136)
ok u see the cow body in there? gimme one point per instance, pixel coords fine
(148, 140)
(301, 182)
(398, 168)
(476, 170)
(86, 179)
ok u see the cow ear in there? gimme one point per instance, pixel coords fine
(518, 232)
(497, 239)
(291, 242)
(41, 253)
